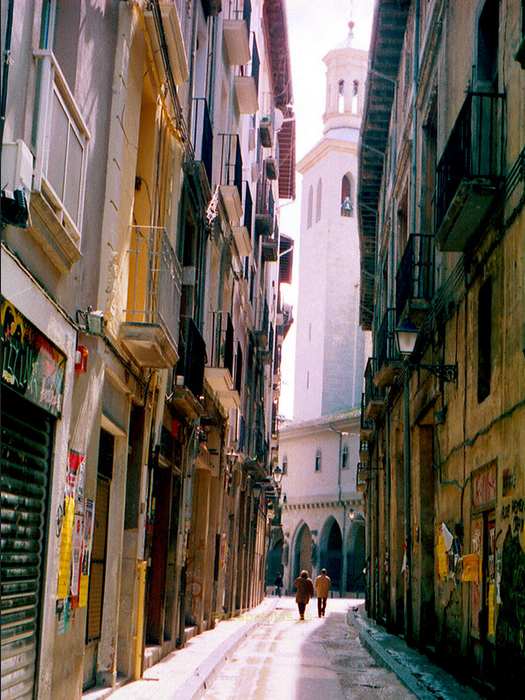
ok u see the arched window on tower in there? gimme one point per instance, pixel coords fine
(309, 213)
(341, 103)
(347, 205)
(355, 99)
(318, 457)
(318, 200)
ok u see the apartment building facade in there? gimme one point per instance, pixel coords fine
(442, 231)
(145, 148)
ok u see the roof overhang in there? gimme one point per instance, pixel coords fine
(388, 31)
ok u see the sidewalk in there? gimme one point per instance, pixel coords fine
(426, 680)
(186, 673)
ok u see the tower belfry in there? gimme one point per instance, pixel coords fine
(330, 346)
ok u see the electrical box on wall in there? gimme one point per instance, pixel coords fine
(17, 178)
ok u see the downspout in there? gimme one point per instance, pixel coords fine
(5, 69)
(408, 491)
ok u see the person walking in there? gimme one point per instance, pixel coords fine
(278, 583)
(305, 591)
(322, 586)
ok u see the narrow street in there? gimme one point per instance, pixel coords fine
(311, 660)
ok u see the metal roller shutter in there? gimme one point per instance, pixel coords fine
(26, 451)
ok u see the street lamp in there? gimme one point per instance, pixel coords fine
(407, 333)
(351, 514)
(277, 474)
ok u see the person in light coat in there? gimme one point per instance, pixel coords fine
(322, 586)
(305, 591)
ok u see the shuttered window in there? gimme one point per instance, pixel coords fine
(27, 436)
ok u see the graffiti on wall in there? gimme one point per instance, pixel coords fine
(510, 630)
(30, 364)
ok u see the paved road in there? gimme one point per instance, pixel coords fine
(315, 659)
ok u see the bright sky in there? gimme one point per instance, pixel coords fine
(314, 28)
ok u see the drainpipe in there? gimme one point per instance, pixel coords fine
(343, 503)
(408, 494)
(5, 70)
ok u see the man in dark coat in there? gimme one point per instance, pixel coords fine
(305, 591)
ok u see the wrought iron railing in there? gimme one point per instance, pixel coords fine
(192, 356)
(231, 161)
(221, 351)
(415, 275)
(365, 423)
(475, 148)
(154, 280)
(241, 9)
(385, 348)
(372, 392)
(202, 134)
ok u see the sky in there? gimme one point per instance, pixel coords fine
(314, 28)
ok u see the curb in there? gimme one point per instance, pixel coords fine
(417, 672)
(383, 657)
(204, 675)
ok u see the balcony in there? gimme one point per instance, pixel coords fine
(243, 234)
(262, 326)
(187, 388)
(269, 249)
(246, 83)
(470, 172)
(219, 372)
(375, 402)
(387, 363)
(271, 168)
(202, 137)
(415, 279)
(362, 476)
(231, 176)
(150, 328)
(236, 31)
(61, 139)
(264, 209)
(367, 426)
(168, 16)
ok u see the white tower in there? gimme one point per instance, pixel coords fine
(330, 346)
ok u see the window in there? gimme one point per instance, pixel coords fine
(310, 207)
(488, 28)
(341, 102)
(355, 102)
(484, 339)
(345, 458)
(318, 460)
(347, 206)
(318, 200)
(285, 464)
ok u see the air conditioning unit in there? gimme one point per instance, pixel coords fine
(17, 179)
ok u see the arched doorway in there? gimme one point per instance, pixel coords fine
(303, 551)
(355, 580)
(275, 559)
(331, 555)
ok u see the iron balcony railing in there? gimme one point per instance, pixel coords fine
(475, 148)
(248, 208)
(415, 275)
(155, 278)
(241, 9)
(192, 356)
(372, 392)
(385, 349)
(202, 135)
(221, 351)
(264, 208)
(231, 161)
(365, 423)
